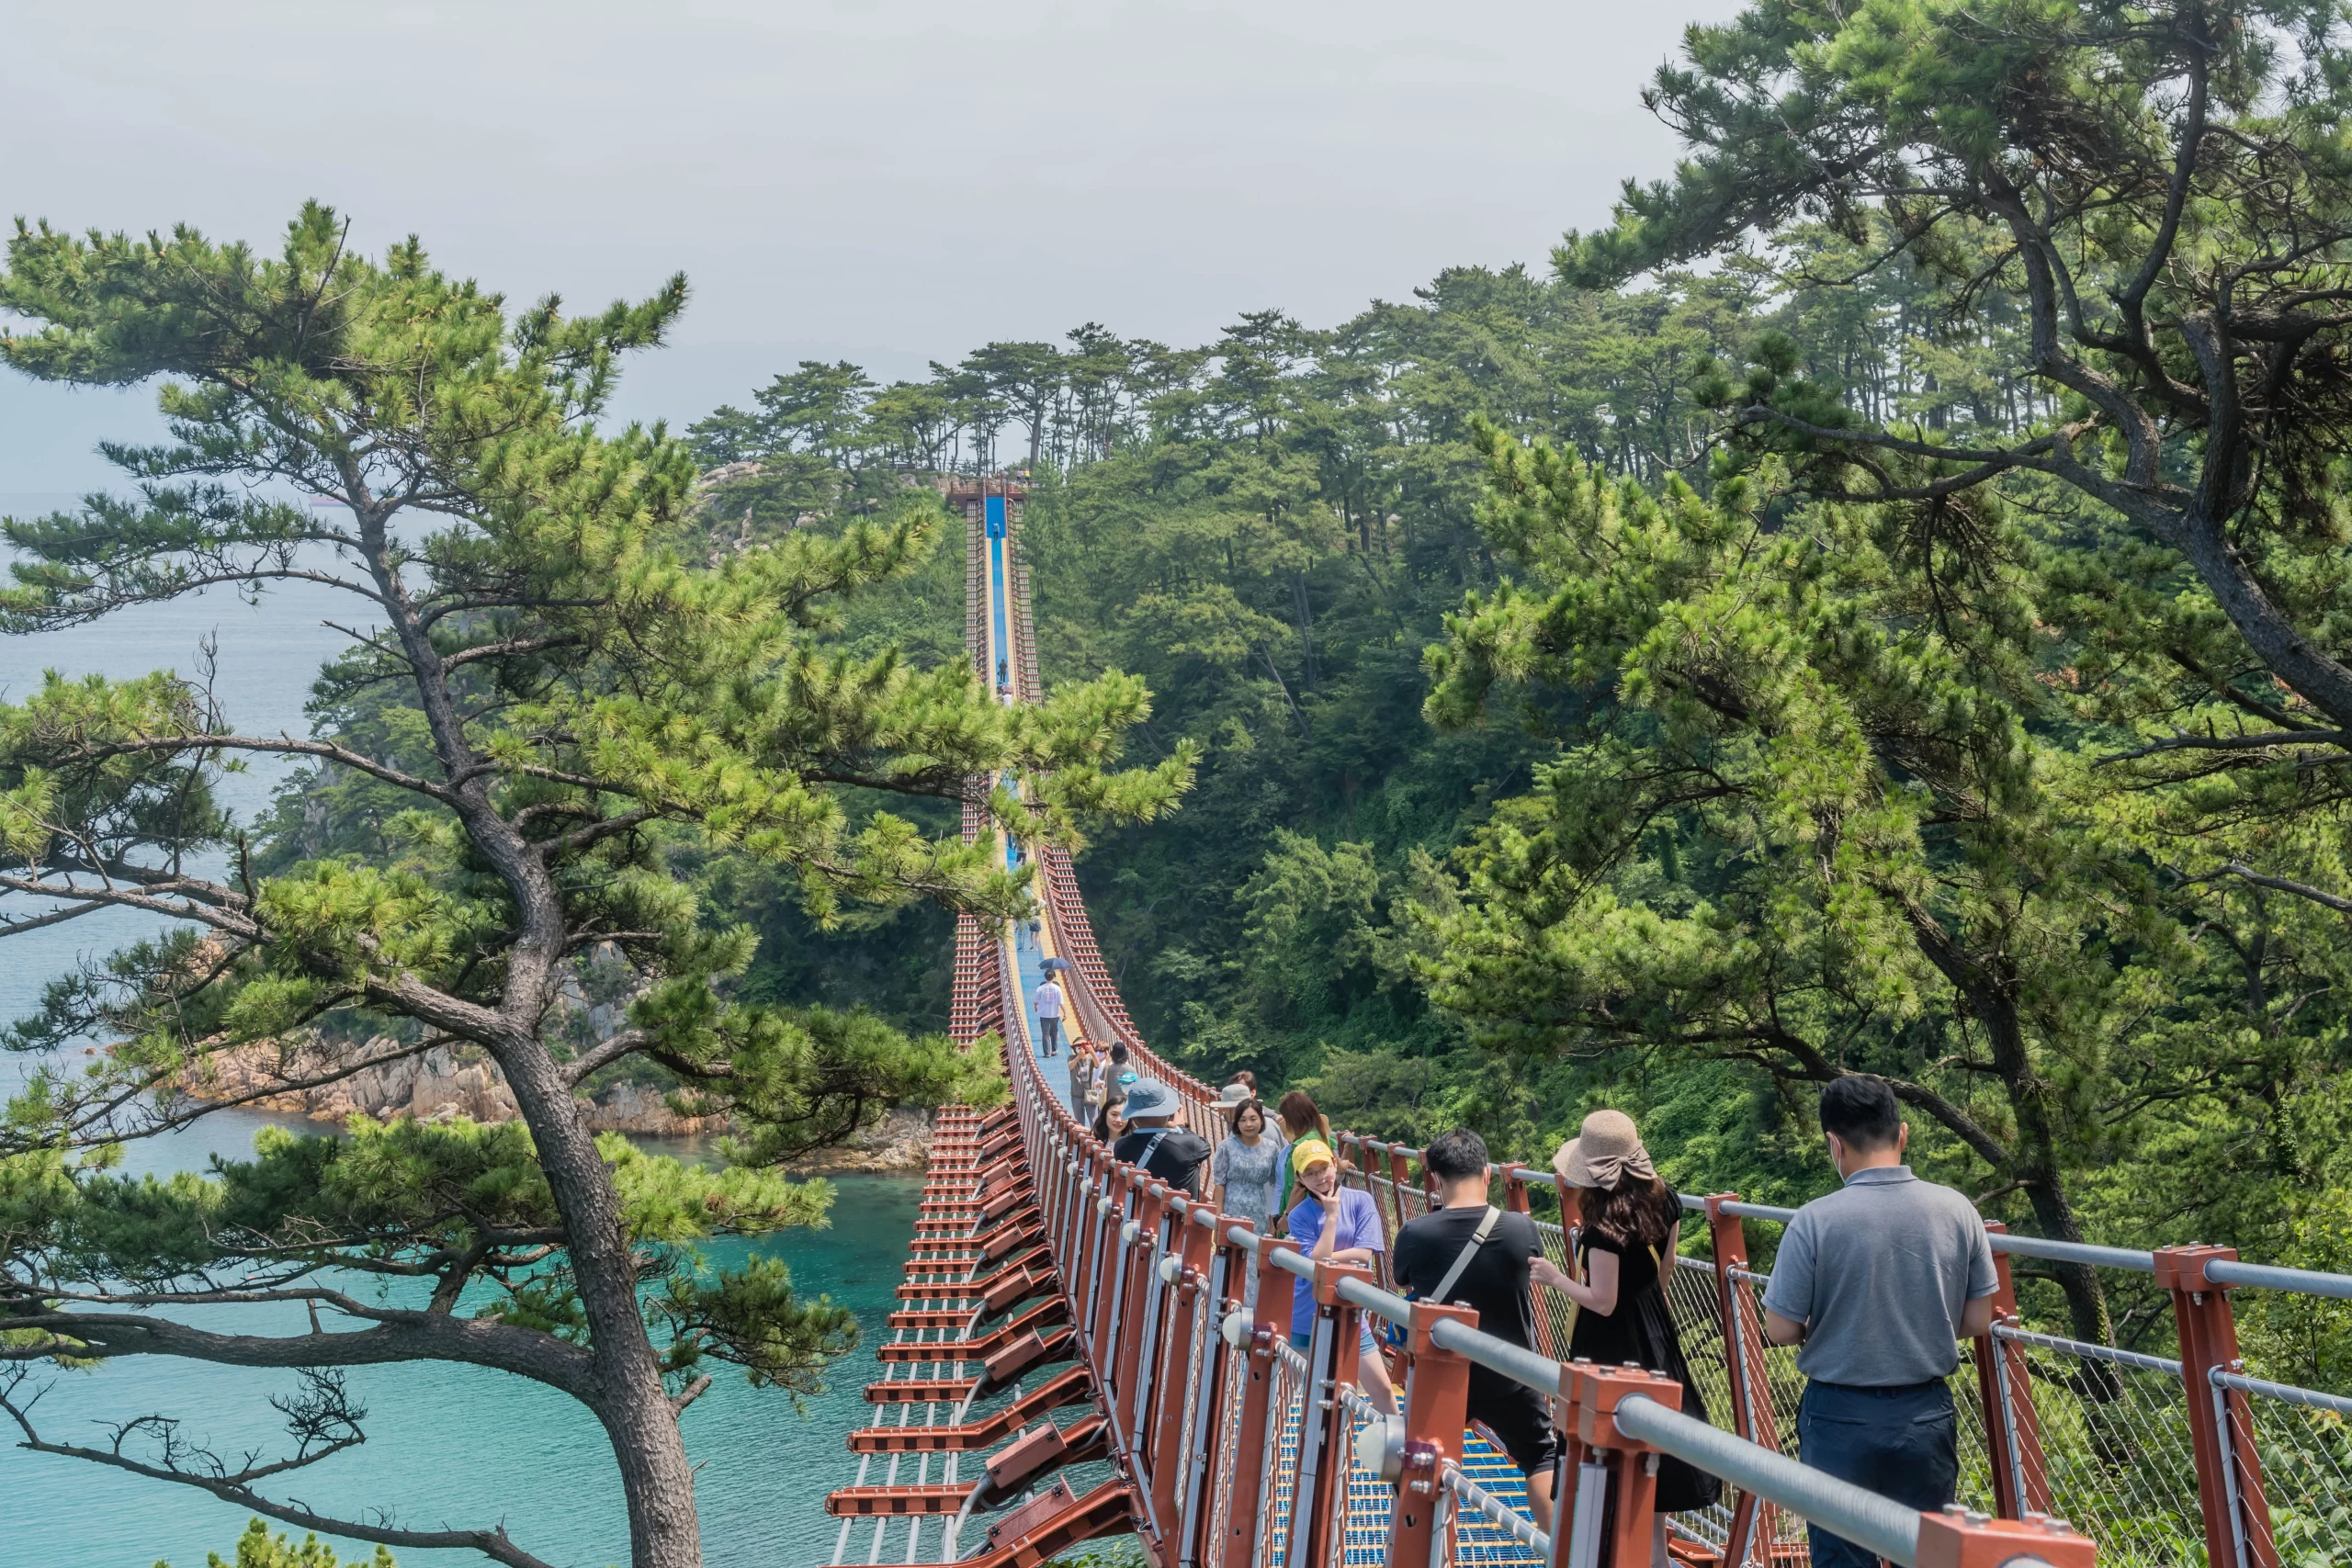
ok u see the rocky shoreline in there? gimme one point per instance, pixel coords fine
(440, 1086)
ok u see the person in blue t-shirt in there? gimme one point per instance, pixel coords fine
(1353, 1236)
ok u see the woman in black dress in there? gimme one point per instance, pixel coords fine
(1624, 1252)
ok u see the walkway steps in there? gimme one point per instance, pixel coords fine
(979, 1346)
(865, 1501)
(1072, 1386)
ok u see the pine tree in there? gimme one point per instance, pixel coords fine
(576, 701)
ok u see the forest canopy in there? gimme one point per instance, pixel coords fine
(1812, 630)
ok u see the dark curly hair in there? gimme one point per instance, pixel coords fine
(1640, 1211)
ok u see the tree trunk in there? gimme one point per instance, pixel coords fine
(1990, 986)
(1992, 997)
(627, 1395)
(630, 1400)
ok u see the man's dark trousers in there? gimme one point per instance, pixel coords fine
(1898, 1442)
(1049, 1035)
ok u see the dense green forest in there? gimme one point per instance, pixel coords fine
(1439, 881)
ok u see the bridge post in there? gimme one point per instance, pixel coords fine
(1110, 1261)
(1437, 1397)
(1751, 1389)
(1591, 1395)
(1206, 1477)
(1398, 1168)
(1187, 1351)
(1251, 1474)
(1130, 1329)
(1370, 1149)
(1152, 1362)
(2229, 1472)
(1324, 1427)
(2012, 1427)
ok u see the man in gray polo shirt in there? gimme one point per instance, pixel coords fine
(1879, 1281)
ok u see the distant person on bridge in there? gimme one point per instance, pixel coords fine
(1110, 1117)
(1468, 1253)
(1155, 1143)
(1081, 1075)
(1335, 1225)
(1247, 1170)
(1113, 1060)
(1049, 1003)
(1878, 1280)
(1625, 1254)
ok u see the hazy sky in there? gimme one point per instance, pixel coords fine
(887, 181)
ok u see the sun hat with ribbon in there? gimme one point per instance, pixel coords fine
(1606, 1149)
(1308, 1152)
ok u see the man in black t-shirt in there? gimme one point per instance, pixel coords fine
(1166, 1152)
(1492, 1279)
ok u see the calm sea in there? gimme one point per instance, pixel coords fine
(446, 1445)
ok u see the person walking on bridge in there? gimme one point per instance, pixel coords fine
(1248, 1168)
(1879, 1281)
(1155, 1143)
(1625, 1255)
(1049, 1003)
(1468, 1253)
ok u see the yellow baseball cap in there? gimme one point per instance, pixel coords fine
(1309, 1152)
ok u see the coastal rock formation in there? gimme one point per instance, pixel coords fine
(900, 1141)
(440, 1085)
(436, 1084)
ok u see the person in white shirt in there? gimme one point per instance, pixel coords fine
(1049, 1017)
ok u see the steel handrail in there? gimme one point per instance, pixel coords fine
(2286, 1392)
(2270, 1276)
(2087, 1349)
(1878, 1525)
(1517, 1362)
(1385, 1304)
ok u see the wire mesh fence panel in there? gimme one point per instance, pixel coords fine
(1203, 1345)
(1383, 1193)
(1489, 1493)
(1975, 1487)
(1285, 1406)
(1360, 1534)
(1784, 1390)
(2116, 1449)
(1697, 1311)
(1223, 1484)
(1412, 1201)
(2301, 1443)
(1557, 1312)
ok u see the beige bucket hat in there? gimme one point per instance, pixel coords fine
(1605, 1150)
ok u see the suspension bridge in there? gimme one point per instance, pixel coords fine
(1071, 1358)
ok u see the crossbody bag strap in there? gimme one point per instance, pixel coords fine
(1487, 1224)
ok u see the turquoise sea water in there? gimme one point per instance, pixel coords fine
(446, 1445)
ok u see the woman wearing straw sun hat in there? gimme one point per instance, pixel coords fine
(1624, 1254)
